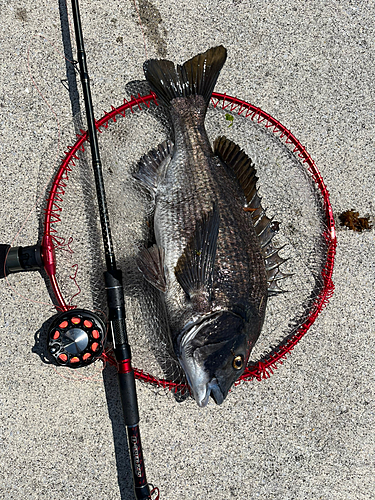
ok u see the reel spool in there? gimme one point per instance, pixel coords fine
(76, 338)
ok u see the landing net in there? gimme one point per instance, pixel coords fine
(292, 190)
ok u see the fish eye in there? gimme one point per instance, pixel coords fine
(238, 362)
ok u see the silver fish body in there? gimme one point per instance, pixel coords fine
(207, 260)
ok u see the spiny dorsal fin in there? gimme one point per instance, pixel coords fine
(272, 262)
(197, 76)
(194, 269)
(265, 228)
(274, 289)
(242, 166)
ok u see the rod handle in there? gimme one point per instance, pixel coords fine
(128, 397)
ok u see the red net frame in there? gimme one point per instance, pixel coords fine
(265, 367)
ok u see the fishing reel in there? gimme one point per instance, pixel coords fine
(76, 338)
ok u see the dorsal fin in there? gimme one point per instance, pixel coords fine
(235, 158)
(244, 169)
(242, 166)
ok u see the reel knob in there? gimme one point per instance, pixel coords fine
(76, 338)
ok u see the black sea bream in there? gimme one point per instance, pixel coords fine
(210, 259)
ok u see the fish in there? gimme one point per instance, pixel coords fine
(213, 260)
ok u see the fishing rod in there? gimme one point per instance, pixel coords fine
(76, 336)
(114, 288)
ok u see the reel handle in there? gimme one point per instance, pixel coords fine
(17, 259)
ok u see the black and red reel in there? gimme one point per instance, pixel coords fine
(76, 338)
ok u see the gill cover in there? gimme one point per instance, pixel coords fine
(213, 353)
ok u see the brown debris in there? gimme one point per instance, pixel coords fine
(351, 220)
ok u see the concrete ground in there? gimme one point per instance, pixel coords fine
(307, 432)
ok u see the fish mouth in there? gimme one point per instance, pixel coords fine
(197, 379)
(211, 389)
(202, 387)
(203, 384)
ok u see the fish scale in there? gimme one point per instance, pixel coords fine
(238, 252)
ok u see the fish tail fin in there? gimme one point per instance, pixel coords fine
(197, 76)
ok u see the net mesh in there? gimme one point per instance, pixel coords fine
(292, 193)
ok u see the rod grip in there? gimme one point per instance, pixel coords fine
(141, 488)
(128, 398)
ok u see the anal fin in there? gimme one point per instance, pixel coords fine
(152, 164)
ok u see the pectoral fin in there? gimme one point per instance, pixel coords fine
(194, 269)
